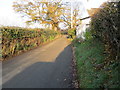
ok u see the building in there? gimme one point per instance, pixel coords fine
(81, 29)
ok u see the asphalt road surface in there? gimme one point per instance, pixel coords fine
(48, 66)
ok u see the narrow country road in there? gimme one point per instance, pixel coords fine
(48, 66)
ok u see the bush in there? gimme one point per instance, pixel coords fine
(88, 34)
(72, 33)
(16, 40)
(104, 25)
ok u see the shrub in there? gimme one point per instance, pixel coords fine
(72, 33)
(105, 25)
(16, 40)
(88, 34)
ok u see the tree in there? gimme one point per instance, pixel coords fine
(41, 11)
(75, 18)
(71, 17)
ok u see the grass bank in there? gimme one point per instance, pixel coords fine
(91, 68)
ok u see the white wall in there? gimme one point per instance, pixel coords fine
(86, 5)
(82, 28)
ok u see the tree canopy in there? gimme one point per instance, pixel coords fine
(40, 11)
(47, 12)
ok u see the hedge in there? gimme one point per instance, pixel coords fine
(105, 25)
(17, 40)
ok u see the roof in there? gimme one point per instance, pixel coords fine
(93, 11)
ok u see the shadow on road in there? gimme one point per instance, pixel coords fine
(55, 74)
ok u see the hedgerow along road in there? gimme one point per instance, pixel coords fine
(48, 66)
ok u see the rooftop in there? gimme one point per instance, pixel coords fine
(93, 11)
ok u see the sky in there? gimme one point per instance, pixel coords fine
(9, 18)
(7, 15)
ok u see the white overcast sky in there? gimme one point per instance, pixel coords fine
(9, 18)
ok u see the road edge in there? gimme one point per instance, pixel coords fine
(75, 81)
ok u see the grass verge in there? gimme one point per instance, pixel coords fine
(91, 70)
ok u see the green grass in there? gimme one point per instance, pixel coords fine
(90, 56)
